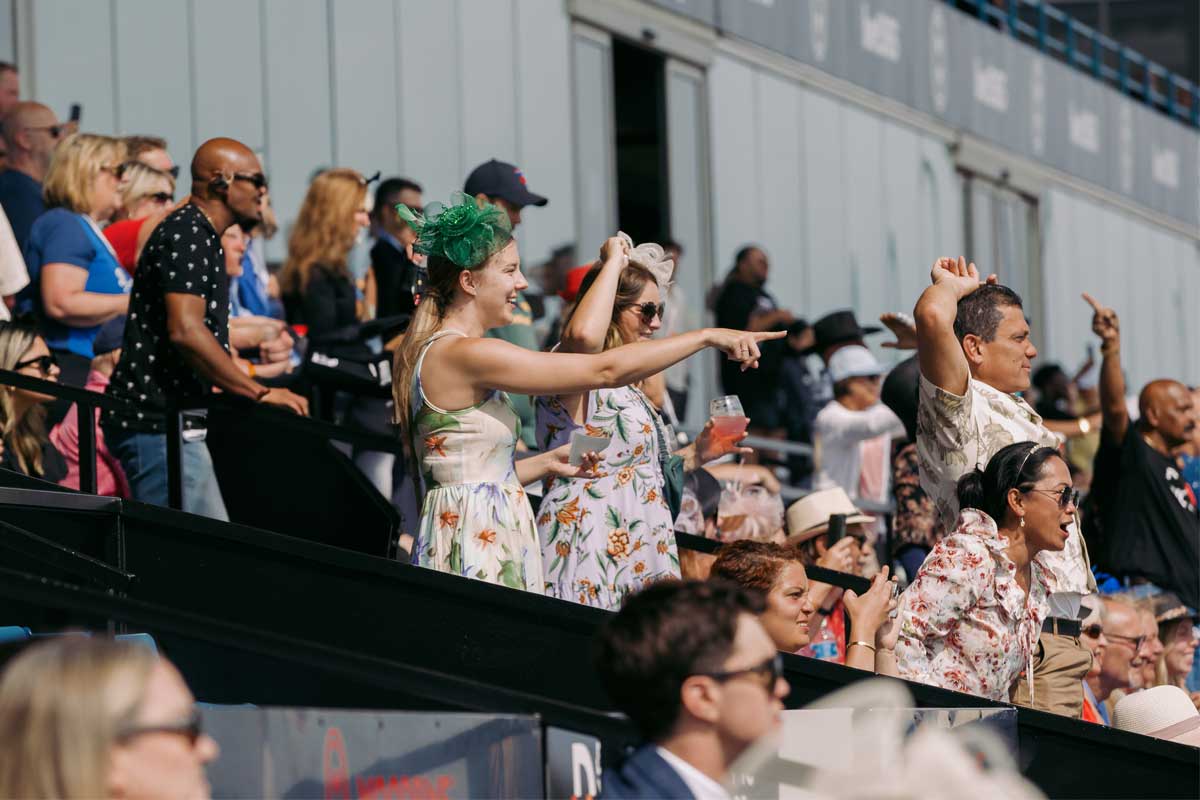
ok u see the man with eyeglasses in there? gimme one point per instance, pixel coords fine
(975, 352)
(151, 151)
(1124, 652)
(31, 131)
(693, 668)
(176, 343)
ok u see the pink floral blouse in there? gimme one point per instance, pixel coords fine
(965, 623)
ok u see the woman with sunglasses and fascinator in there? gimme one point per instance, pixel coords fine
(609, 536)
(450, 390)
(971, 619)
(25, 444)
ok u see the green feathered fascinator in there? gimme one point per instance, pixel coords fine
(464, 233)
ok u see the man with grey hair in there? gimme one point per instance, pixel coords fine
(1125, 652)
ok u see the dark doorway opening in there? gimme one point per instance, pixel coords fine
(639, 90)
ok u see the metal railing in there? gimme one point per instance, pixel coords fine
(1061, 36)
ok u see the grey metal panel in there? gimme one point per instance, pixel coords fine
(430, 75)
(8, 33)
(365, 91)
(770, 23)
(299, 139)
(543, 123)
(736, 197)
(228, 90)
(880, 45)
(822, 37)
(989, 81)
(72, 51)
(594, 140)
(780, 185)
(865, 259)
(824, 138)
(486, 86)
(701, 10)
(687, 156)
(153, 76)
(934, 30)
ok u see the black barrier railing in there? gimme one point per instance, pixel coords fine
(86, 402)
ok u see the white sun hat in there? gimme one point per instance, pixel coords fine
(1164, 712)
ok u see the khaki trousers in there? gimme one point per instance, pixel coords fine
(1060, 664)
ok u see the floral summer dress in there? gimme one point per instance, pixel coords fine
(476, 520)
(605, 538)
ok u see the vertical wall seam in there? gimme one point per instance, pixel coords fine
(331, 36)
(264, 66)
(193, 84)
(398, 99)
(113, 68)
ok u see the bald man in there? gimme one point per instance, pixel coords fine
(31, 131)
(1148, 523)
(176, 342)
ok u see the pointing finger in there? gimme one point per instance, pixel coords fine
(1091, 301)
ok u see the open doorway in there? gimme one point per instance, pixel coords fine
(640, 106)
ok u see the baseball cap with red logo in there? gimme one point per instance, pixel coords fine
(498, 179)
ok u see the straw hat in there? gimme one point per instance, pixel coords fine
(1165, 712)
(809, 516)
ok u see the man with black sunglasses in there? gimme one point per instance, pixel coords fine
(176, 344)
(31, 131)
(694, 669)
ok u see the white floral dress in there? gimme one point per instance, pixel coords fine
(475, 520)
(965, 623)
(605, 538)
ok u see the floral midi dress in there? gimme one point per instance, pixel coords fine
(605, 538)
(475, 519)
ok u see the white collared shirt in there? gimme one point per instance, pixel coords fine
(701, 786)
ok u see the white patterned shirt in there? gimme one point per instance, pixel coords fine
(957, 434)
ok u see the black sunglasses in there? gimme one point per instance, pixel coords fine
(174, 171)
(1093, 631)
(768, 672)
(55, 130)
(258, 180)
(649, 310)
(43, 363)
(162, 197)
(190, 728)
(1066, 495)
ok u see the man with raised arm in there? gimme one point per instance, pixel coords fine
(975, 355)
(1148, 521)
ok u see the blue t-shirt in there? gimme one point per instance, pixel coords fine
(21, 197)
(64, 237)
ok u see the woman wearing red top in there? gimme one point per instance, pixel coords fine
(146, 194)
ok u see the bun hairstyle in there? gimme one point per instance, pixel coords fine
(1017, 466)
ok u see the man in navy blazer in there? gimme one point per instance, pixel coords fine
(690, 665)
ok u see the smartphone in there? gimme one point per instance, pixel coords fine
(837, 529)
(581, 443)
(76, 113)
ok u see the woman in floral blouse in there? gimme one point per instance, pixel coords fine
(971, 619)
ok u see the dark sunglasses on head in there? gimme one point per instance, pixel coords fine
(649, 311)
(768, 672)
(257, 179)
(190, 728)
(1066, 495)
(43, 363)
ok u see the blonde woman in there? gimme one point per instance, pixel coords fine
(26, 445)
(318, 289)
(147, 194)
(89, 717)
(451, 387)
(77, 283)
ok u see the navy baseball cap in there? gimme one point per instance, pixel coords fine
(498, 179)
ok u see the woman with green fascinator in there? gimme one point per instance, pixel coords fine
(450, 390)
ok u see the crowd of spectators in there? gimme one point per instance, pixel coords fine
(955, 476)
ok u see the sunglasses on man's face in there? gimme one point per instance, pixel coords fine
(649, 311)
(55, 131)
(257, 179)
(43, 363)
(767, 673)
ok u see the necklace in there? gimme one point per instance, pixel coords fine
(206, 216)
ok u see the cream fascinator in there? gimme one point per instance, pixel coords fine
(652, 257)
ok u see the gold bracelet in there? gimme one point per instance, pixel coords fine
(867, 645)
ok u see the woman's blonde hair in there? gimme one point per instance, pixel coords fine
(63, 703)
(139, 181)
(24, 435)
(324, 231)
(74, 167)
(633, 281)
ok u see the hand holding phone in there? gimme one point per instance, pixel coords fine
(837, 529)
(581, 443)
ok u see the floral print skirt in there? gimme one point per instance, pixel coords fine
(483, 531)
